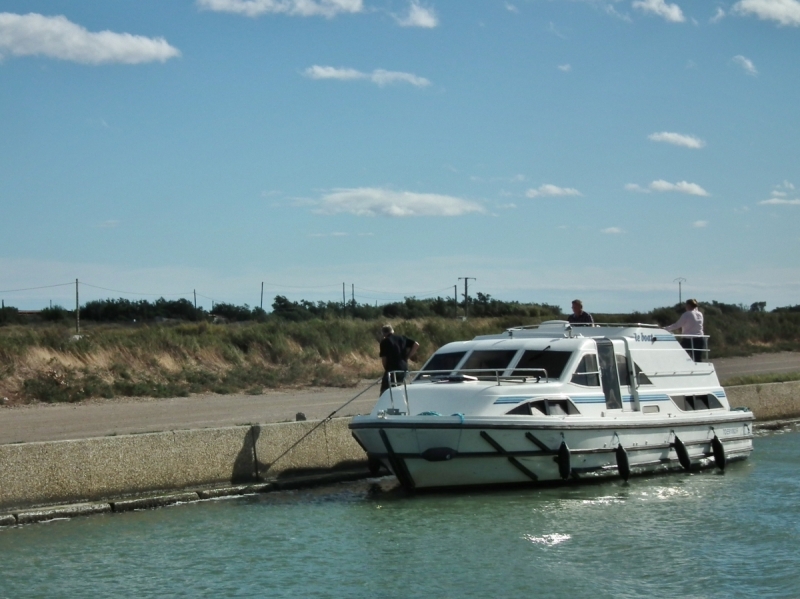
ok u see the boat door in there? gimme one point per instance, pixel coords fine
(609, 377)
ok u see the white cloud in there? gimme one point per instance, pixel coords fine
(511, 8)
(669, 12)
(784, 12)
(298, 8)
(746, 64)
(612, 231)
(718, 16)
(57, 37)
(370, 201)
(780, 195)
(565, 67)
(700, 224)
(419, 16)
(677, 139)
(109, 224)
(552, 191)
(636, 188)
(379, 77)
(681, 187)
(780, 202)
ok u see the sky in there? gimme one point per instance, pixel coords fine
(547, 149)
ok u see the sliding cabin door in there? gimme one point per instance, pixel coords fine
(609, 377)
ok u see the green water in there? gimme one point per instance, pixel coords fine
(701, 535)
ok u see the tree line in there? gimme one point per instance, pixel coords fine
(481, 306)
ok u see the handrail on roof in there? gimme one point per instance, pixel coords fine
(620, 325)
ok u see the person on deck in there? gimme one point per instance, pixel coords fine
(396, 350)
(578, 316)
(691, 323)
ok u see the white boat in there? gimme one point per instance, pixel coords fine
(554, 402)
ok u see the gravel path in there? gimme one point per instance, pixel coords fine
(98, 418)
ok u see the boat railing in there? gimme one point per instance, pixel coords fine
(462, 375)
(695, 345)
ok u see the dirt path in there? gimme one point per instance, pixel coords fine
(45, 422)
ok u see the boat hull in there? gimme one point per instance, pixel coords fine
(456, 452)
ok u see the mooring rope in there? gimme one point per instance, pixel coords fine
(321, 422)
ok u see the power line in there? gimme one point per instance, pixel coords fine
(33, 288)
(134, 292)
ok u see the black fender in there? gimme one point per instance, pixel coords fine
(564, 461)
(719, 452)
(623, 463)
(683, 453)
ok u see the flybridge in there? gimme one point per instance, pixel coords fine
(563, 328)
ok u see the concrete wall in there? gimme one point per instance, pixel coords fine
(767, 401)
(104, 467)
(84, 470)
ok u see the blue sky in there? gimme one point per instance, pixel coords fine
(551, 149)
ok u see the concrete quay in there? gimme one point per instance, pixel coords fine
(125, 472)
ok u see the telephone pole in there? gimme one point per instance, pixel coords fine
(466, 293)
(77, 310)
(679, 280)
(262, 296)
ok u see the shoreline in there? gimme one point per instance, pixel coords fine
(160, 468)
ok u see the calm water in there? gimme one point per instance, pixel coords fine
(690, 536)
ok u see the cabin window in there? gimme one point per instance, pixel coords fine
(552, 362)
(622, 369)
(545, 407)
(625, 375)
(489, 360)
(693, 403)
(587, 373)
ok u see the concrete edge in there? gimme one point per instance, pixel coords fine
(32, 516)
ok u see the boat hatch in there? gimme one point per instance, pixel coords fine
(690, 403)
(547, 407)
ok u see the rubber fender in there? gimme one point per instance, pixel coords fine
(373, 464)
(623, 464)
(563, 458)
(683, 453)
(439, 454)
(719, 452)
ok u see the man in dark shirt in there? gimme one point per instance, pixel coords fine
(395, 353)
(578, 316)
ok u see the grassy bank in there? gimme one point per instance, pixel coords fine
(47, 363)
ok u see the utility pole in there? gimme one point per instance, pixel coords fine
(466, 294)
(344, 300)
(194, 291)
(455, 301)
(261, 305)
(353, 296)
(679, 280)
(77, 310)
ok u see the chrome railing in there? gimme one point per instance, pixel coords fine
(461, 375)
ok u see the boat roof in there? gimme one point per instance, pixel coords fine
(563, 328)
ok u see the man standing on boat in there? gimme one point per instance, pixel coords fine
(691, 325)
(578, 316)
(396, 350)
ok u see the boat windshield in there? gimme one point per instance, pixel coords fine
(552, 362)
(444, 361)
(488, 360)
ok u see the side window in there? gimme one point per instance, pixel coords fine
(587, 373)
(622, 369)
(489, 360)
